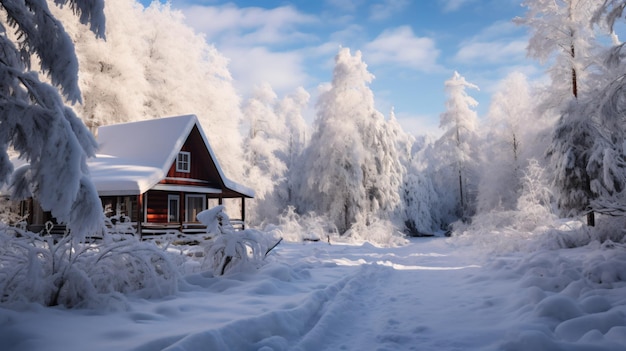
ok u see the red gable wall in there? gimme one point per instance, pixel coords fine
(202, 166)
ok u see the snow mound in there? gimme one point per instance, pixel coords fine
(572, 299)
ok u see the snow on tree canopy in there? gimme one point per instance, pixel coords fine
(457, 143)
(35, 121)
(153, 64)
(352, 168)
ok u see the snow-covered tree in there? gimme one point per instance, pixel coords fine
(607, 161)
(291, 110)
(563, 30)
(569, 154)
(154, 65)
(605, 157)
(416, 212)
(457, 144)
(35, 121)
(535, 200)
(350, 171)
(266, 148)
(508, 120)
(274, 144)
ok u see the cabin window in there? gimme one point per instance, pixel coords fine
(173, 208)
(183, 162)
(195, 204)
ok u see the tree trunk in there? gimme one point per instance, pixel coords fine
(574, 78)
(591, 218)
(458, 144)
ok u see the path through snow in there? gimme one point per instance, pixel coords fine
(428, 295)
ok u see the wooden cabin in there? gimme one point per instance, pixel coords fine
(160, 173)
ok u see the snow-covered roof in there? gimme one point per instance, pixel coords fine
(133, 157)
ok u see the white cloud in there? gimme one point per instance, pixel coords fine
(252, 24)
(387, 9)
(498, 52)
(400, 46)
(500, 29)
(255, 40)
(250, 67)
(500, 43)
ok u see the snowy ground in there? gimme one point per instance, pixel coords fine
(432, 294)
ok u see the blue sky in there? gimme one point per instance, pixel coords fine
(411, 46)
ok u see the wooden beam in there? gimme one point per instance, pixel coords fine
(140, 214)
(182, 203)
(243, 212)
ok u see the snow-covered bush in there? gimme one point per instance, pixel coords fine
(313, 227)
(309, 227)
(606, 230)
(229, 250)
(507, 230)
(534, 204)
(379, 232)
(40, 268)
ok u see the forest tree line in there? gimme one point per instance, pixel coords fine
(542, 149)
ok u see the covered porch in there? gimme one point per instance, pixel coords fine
(170, 210)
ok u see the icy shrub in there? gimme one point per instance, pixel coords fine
(310, 227)
(59, 271)
(376, 231)
(535, 202)
(512, 230)
(229, 250)
(574, 234)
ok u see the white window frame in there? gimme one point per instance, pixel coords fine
(183, 165)
(188, 208)
(169, 207)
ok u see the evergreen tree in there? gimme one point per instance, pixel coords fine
(290, 109)
(266, 148)
(506, 134)
(564, 28)
(457, 143)
(34, 120)
(351, 170)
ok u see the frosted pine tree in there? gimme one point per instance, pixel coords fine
(351, 172)
(607, 163)
(35, 121)
(416, 191)
(457, 144)
(509, 121)
(562, 31)
(291, 109)
(266, 152)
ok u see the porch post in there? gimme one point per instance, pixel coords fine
(139, 214)
(243, 212)
(181, 210)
